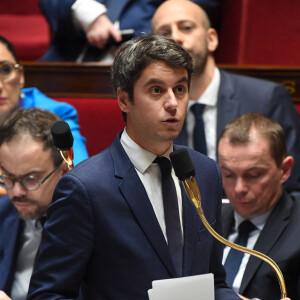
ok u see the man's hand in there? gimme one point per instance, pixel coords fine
(100, 31)
(3, 296)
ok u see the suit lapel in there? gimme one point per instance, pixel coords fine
(135, 194)
(276, 224)
(190, 218)
(11, 236)
(228, 104)
(228, 219)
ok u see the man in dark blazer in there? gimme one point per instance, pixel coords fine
(106, 228)
(30, 168)
(77, 24)
(254, 166)
(225, 95)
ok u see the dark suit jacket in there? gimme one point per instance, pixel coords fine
(240, 94)
(10, 232)
(102, 229)
(69, 41)
(279, 240)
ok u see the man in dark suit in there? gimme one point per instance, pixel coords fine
(225, 96)
(30, 168)
(82, 28)
(254, 165)
(107, 227)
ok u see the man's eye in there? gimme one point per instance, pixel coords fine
(180, 89)
(166, 34)
(253, 175)
(155, 90)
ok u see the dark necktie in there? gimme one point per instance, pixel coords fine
(170, 201)
(199, 133)
(234, 258)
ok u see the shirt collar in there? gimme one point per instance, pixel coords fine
(140, 157)
(210, 95)
(258, 221)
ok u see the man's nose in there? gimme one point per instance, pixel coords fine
(171, 101)
(177, 36)
(240, 186)
(18, 190)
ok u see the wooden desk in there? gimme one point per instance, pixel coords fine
(92, 80)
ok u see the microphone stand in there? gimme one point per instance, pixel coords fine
(67, 155)
(192, 190)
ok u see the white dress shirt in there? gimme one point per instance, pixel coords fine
(85, 12)
(31, 239)
(210, 99)
(150, 175)
(259, 222)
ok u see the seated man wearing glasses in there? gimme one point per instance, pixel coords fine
(30, 167)
(14, 96)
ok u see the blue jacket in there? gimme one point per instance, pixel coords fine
(69, 41)
(241, 94)
(34, 98)
(10, 232)
(102, 230)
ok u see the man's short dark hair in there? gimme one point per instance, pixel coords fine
(35, 122)
(238, 132)
(136, 54)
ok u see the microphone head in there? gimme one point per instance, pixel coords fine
(182, 164)
(62, 135)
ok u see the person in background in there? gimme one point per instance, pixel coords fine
(109, 218)
(30, 167)
(13, 96)
(220, 95)
(254, 165)
(84, 29)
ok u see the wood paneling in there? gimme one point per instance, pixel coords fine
(93, 80)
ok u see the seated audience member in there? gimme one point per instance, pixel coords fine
(109, 224)
(221, 95)
(254, 165)
(13, 96)
(82, 28)
(30, 169)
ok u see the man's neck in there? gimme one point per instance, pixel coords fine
(201, 81)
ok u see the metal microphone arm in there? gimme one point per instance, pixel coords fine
(182, 161)
(67, 155)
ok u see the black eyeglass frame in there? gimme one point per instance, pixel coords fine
(20, 180)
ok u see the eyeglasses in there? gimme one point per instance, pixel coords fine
(7, 70)
(28, 182)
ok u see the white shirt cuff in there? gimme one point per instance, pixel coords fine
(85, 12)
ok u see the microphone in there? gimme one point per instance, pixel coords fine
(185, 171)
(63, 141)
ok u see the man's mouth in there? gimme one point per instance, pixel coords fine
(171, 120)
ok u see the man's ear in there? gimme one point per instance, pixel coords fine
(123, 100)
(286, 168)
(212, 40)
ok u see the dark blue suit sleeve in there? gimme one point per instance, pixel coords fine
(65, 257)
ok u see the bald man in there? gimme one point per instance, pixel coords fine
(225, 96)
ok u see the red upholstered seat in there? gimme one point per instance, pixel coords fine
(100, 120)
(260, 32)
(23, 24)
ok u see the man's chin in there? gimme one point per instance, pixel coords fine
(27, 215)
